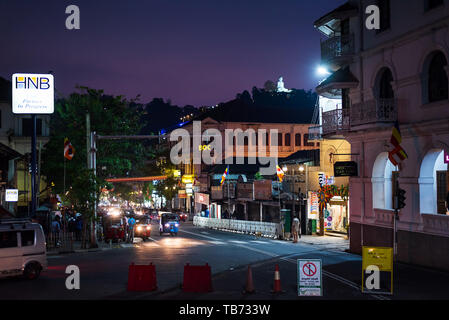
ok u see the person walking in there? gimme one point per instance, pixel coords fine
(131, 224)
(295, 229)
(55, 229)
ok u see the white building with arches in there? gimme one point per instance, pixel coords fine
(398, 73)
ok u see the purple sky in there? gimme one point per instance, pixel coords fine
(198, 52)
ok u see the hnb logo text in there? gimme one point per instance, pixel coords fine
(39, 83)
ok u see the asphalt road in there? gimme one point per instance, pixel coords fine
(104, 274)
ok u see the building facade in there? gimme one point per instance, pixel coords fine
(398, 73)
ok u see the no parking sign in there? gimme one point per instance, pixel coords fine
(309, 277)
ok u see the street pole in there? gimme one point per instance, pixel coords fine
(93, 236)
(33, 165)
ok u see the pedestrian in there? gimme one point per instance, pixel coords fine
(131, 224)
(55, 229)
(78, 227)
(295, 229)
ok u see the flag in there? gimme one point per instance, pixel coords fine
(69, 150)
(398, 154)
(223, 177)
(280, 173)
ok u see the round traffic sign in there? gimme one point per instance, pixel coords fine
(309, 269)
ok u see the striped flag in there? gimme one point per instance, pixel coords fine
(225, 174)
(279, 173)
(398, 154)
(69, 150)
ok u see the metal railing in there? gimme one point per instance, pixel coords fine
(335, 121)
(267, 229)
(315, 132)
(337, 47)
(371, 111)
(63, 241)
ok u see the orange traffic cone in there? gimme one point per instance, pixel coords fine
(277, 280)
(249, 288)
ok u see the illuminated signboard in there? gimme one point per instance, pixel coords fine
(12, 195)
(32, 93)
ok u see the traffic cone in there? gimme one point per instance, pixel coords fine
(249, 288)
(277, 280)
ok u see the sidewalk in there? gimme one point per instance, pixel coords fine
(102, 246)
(326, 242)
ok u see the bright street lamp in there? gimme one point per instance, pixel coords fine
(322, 71)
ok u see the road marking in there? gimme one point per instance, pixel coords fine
(205, 232)
(216, 242)
(200, 235)
(257, 250)
(262, 242)
(154, 241)
(239, 242)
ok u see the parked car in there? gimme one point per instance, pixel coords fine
(22, 249)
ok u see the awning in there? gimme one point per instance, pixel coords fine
(340, 79)
(330, 22)
(302, 156)
(8, 153)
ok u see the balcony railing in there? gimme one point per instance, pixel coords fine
(315, 133)
(379, 110)
(337, 47)
(335, 121)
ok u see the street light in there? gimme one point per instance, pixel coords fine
(322, 71)
(284, 168)
(301, 168)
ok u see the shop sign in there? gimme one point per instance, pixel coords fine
(187, 178)
(309, 277)
(262, 190)
(345, 169)
(216, 192)
(446, 157)
(182, 194)
(325, 180)
(374, 261)
(313, 203)
(32, 93)
(202, 198)
(12, 195)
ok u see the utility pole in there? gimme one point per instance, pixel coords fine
(33, 165)
(93, 234)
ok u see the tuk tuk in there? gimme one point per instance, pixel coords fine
(114, 226)
(169, 223)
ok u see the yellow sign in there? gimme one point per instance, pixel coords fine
(187, 178)
(176, 173)
(378, 256)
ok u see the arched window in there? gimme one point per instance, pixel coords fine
(438, 84)
(383, 180)
(385, 88)
(287, 139)
(432, 182)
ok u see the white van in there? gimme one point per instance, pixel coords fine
(22, 249)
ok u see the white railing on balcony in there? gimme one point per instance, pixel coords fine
(335, 121)
(379, 110)
(337, 47)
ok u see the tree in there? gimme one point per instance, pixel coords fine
(109, 115)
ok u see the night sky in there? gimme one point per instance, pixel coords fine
(198, 52)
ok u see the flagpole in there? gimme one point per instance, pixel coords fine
(64, 175)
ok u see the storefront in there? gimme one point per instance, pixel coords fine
(336, 213)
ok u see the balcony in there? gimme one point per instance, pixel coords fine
(374, 111)
(335, 121)
(315, 133)
(337, 49)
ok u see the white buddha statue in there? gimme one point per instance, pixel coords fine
(281, 87)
